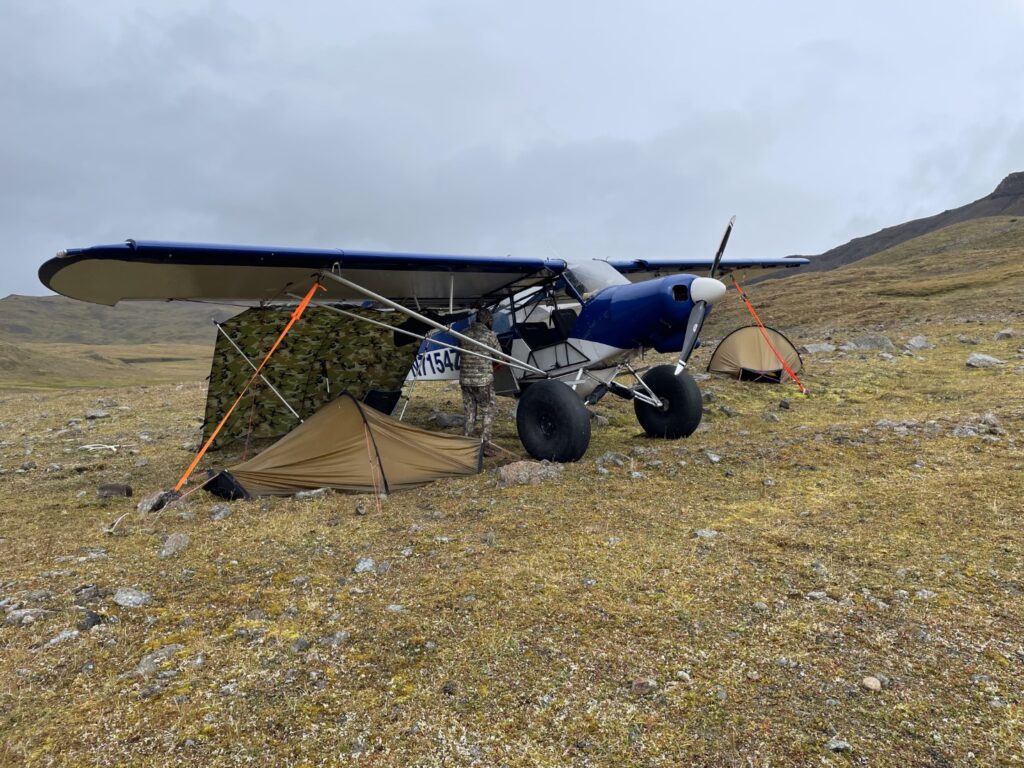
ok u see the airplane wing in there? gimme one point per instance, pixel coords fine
(141, 270)
(644, 269)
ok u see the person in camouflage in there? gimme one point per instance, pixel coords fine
(476, 377)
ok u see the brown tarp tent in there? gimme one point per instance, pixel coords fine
(746, 355)
(351, 447)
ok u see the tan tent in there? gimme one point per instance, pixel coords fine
(351, 447)
(746, 354)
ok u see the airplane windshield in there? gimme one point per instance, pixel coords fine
(589, 277)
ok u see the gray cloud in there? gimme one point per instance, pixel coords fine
(579, 128)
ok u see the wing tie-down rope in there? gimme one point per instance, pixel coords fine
(768, 341)
(209, 441)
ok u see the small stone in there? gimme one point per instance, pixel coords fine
(816, 595)
(816, 349)
(709, 397)
(644, 686)
(365, 565)
(872, 684)
(89, 620)
(682, 676)
(174, 544)
(590, 582)
(315, 494)
(714, 458)
(220, 512)
(157, 501)
(300, 581)
(96, 414)
(728, 411)
(127, 597)
(361, 508)
(407, 552)
(978, 360)
(919, 342)
(838, 745)
(150, 663)
(773, 417)
(966, 340)
(705, 533)
(335, 639)
(113, 490)
(22, 617)
(760, 607)
(60, 637)
(395, 608)
(768, 482)
(300, 645)
(1006, 333)
(924, 594)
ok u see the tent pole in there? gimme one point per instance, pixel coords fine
(253, 366)
(433, 323)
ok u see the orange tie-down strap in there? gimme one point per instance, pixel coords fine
(767, 338)
(209, 441)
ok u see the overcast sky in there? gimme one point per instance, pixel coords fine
(577, 128)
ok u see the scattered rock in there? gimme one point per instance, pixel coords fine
(872, 684)
(613, 458)
(919, 342)
(709, 396)
(335, 639)
(714, 458)
(157, 501)
(448, 420)
(89, 620)
(760, 607)
(683, 676)
(60, 637)
(978, 360)
(365, 565)
(879, 343)
(127, 597)
(1006, 333)
(174, 544)
(838, 745)
(220, 512)
(967, 340)
(361, 508)
(113, 490)
(770, 416)
(395, 608)
(705, 533)
(728, 411)
(816, 595)
(150, 663)
(300, 645)
(22, 617)
(312, 494)
(817, 349)
(96, 414)
(643, 686)
(528, 472)
(924, 594)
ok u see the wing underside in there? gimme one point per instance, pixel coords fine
(141, 270)
(645, 269)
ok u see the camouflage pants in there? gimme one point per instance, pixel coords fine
(479, 401)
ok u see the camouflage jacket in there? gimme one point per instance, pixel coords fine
(475, 371)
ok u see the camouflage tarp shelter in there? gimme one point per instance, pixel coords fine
(746, 355)
(350, 447)
(325, 355)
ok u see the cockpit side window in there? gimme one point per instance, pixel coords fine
(589, 277)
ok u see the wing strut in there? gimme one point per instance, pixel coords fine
(433, 323)
(421, 337)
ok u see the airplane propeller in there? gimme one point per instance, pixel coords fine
(703, 291)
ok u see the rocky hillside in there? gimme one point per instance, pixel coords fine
(55, 319)
(1006, 200)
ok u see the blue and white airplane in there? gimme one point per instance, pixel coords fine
(567, 329)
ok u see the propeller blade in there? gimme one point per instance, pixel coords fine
(693, 325)
(721, 247)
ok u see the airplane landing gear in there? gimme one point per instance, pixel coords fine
(553, 422)
(681, 409)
